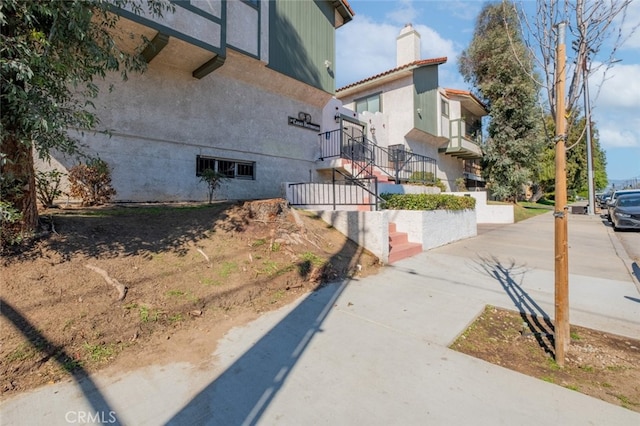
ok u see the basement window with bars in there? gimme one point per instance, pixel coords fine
(233, 169)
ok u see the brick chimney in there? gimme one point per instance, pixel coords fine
(408, 46)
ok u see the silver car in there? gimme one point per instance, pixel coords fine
(625, 213)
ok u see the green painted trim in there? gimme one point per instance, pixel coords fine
(244, 52)
(209, 67)
(259, 8)
(253, 3)
(155, 46)
(197, 11)
(173, 33)
(259, 44)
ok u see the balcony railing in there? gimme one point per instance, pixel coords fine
(394, 161)
(343, 190)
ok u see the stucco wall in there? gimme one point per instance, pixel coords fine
(430, 228)
(391, 188)
(369, 229)
(397, 119)
(161, 120)
(485, 213)
(242, 26)
(489, 213)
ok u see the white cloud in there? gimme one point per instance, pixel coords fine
(433, 45)
(620, 89)
(404, 13)
(366, 48)
(613, 136)
(615, 107)
(464, 10)
(631, 20)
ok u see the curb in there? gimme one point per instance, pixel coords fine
(622, 254)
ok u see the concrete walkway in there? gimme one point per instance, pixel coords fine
(374, 351)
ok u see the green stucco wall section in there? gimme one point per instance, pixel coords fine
(425, 97)
(301, 39)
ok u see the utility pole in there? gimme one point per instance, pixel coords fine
(587, 114)
(561, 326)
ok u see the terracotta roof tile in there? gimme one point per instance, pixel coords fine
(410, 65)
(348, 6)
(464, 93)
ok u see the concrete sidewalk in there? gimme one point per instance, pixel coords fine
(374, 351)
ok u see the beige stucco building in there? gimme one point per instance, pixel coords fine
(405, 108)
(243, 87)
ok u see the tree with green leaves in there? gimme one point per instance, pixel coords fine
(51, 53)
(500, 67)
(576, 160)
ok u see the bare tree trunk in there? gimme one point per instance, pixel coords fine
(19, 186)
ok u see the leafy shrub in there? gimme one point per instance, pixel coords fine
(213, 180)
(91, 182)
(422, 177)
(427, 179)
(10, 227)
(427, 202)
(48, 186)
(461, 184)
(11, 188)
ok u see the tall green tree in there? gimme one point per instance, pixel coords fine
(576, 159)
(51, 53)
(501, 68)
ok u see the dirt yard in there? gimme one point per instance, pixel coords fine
(602, 365)
(132, 286)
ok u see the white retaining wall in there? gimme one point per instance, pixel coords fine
(485, 213)
(430, 228)
(489, 213)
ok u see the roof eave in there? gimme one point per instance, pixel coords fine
(344, 9)
(388, 76)
(359, 87)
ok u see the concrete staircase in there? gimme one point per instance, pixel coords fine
(353, 167)
(399, 245)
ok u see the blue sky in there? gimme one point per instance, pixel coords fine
(367, 46)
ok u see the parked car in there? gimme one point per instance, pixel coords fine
(612, 201)
(625, 213)
(603, 198)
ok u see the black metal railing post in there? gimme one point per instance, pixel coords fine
(365, 156)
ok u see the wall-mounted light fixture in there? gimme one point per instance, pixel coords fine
(373, 131)
(303, 116)
(337, 117)
(419, 111)
(327, 63)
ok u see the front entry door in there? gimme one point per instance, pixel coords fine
(353, 141)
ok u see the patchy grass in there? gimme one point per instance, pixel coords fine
(525, 210)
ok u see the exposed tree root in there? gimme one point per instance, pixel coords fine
(122, 290)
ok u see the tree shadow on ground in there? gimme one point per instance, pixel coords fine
(244, 391)
(537, 321)
(147, 230)
(100, 406)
